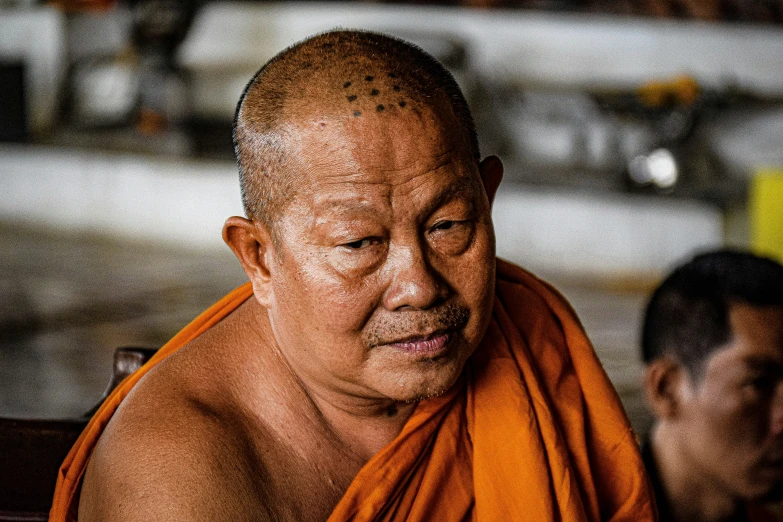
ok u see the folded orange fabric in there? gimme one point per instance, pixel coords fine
(533, 430)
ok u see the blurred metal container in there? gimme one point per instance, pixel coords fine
(13, 103)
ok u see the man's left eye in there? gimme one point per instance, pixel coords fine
(444, 225)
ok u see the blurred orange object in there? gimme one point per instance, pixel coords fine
(150, 122)
(682, 90)
(73, 6)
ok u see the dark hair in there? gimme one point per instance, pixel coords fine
(688, 315)
(308, 71)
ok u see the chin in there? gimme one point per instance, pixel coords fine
(423, 395)
(425, 385)
(412, 379)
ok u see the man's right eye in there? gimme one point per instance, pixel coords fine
(762, 382)
(359, 244)
(760, 386)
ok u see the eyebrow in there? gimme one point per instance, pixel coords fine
(348, 208)
(464, 185)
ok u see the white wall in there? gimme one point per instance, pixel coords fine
(601, 235)
(122, 195)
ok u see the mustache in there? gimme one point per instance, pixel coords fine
(398, 327)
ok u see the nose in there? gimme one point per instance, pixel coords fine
(414, 284)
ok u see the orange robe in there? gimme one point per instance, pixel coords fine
(533, 430)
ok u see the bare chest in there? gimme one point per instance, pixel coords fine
(304, 471)
(286, 485)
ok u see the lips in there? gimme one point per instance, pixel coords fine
(768, 471)
(429, 345)
(771, 466)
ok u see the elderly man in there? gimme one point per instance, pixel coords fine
(380, 364)
(713, 345)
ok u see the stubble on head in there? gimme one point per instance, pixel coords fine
(340, 75)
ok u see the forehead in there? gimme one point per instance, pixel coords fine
(391, 152)
(357, 87)
(757, 338)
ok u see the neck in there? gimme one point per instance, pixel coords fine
(693, 495)
(360, 426)
(363, 426)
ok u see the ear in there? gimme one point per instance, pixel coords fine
(491, 172)
(251, 242)
(665, 387)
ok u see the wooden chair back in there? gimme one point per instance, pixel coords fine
(32, 450)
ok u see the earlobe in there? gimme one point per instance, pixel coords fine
(663, 387)
(251, 243)
(491, 172)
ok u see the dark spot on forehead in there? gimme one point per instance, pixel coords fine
(380, 108)
(357, 113)
(403, 103)
(396, 87)
(346, 85)
(391, 75)
(369, 78)
(374, 92)
(352, 97)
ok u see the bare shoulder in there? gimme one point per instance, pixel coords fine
(173, 451)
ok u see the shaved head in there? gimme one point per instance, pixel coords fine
(342, 75)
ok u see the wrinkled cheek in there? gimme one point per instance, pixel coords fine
(338, 307)
(484, 293)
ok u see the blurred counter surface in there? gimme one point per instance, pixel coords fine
(68, 300)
